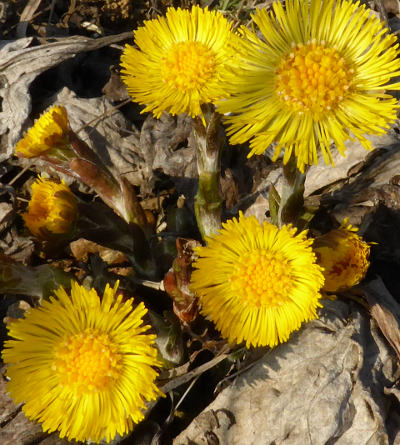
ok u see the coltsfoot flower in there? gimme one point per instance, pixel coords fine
(256, 282)
(49, 133)
(344, 256)
(181, 62)
(81, 365)
(52, 210)
(316, 74)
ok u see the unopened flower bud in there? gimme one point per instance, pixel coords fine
(52, 209)
(344, 256)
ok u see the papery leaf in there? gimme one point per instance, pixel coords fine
(177, 280)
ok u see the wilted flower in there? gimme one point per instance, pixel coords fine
(344, 256)
(181, 61)
(256, 282)
(52, 209)
(49, 133)
(82, 366)
(318, 74)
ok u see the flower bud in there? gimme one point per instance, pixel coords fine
(344, 256)
(48, 135)
(52, 209)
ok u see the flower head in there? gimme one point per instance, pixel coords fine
(181, 61)
(256, 282)
(81, 365)
(344, 257)
(318, 74)
(50, 132)
(52, 209)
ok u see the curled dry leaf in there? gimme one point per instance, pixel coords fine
(177, 279)
(81, 249)
(384, 310)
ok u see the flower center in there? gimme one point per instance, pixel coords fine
(313, 78)
(262, 278)
(87, 362)
(188, 66)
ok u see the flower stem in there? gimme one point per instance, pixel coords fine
(117, 193)
(208, 142)
(291, 206)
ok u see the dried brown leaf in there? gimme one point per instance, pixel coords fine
(326, 385)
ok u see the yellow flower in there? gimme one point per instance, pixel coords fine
(181, 61)
(81, 365)
(317, 75)
(50, 132)
(344, 257)
(52, 209)
(257, 283)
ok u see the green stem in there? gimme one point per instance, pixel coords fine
(208, 142)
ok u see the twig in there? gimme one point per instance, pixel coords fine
(171, 415)
(18, 175)
(195, 372)
(110, 112)
(26, 16)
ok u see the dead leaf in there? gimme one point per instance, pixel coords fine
(81, 249)
(164, 146)
(391, 6)
(115, 90)
(384, 310)
(258, 208)
(177, 279)
(27, 14)
(17, 247)
(323, 386)
(319, 176)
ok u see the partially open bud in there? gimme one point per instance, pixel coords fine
(52, 209)
(48, 136)
(344, 256)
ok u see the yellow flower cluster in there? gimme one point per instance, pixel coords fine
(314, 73)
